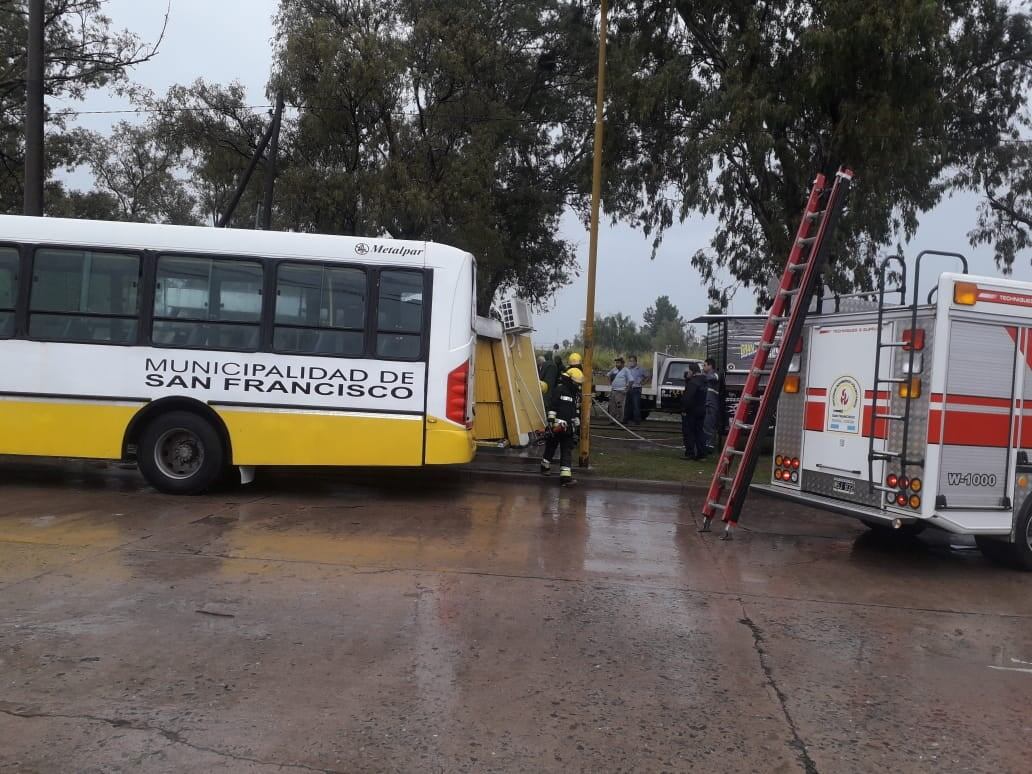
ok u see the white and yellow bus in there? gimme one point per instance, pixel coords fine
(192, 350)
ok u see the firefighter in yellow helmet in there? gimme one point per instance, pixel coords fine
(563, 424)
(575, 360)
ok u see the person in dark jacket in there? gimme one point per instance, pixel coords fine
(550, 375)
(711, 425)
(563, 424)
(693, 413)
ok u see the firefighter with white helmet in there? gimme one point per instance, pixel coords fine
(563, 423)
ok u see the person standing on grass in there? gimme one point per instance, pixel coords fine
(619, 381)
(636, 379)
(693, 413)
(711, 424)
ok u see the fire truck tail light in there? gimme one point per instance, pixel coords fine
(965, 293)
(913, 338)
(792, 384)
(915, 501)
(918, 365)
(910, 388)
(892, 480)
(901, 500)
(779, 460)
(795, 477)
(915, 484)
(904, 482)
(890, 498)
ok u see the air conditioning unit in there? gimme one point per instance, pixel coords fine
(516, 317)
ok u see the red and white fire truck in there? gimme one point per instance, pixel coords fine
(917, 415)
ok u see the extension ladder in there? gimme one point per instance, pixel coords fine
(737, 461)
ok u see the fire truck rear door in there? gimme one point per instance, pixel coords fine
(974, 419)
(839, 408)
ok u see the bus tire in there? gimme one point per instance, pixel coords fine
(181, 453)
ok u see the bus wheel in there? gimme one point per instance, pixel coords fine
(180, 453)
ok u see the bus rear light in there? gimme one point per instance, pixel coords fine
(792, 384)
(457, 397)
(913, 338)
(965, 293)
(910, 388)
(892, 480)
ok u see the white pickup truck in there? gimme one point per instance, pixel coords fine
(662, 391)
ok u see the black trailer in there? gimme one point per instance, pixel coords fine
(731, 340)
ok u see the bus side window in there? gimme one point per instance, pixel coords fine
(8, 290)
(399, 319)
(320, 310)
(84, 296)
(206, 303)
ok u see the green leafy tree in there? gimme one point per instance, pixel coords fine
(669, 337)
(619, 333)
(1005, 217)
(462, 122)
(138, 168)
(83, 53)
(660, 313)
(729, 107)
(215, 133)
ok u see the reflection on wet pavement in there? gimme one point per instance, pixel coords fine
(394, 621)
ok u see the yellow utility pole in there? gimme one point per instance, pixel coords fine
(596, 195)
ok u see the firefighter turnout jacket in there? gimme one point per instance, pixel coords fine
(565, 401)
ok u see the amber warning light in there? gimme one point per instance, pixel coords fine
(965, 293)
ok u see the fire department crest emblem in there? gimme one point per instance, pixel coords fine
(844, 405)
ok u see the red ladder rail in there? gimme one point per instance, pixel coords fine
(789, 309)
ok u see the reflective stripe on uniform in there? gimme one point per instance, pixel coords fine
(565, 472)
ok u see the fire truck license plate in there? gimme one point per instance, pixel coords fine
(844, 486)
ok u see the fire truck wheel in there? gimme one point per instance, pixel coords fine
(907, 530)
(1018, 554)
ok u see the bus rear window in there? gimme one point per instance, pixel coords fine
(8, 290)
(399, 320)
(84, 296)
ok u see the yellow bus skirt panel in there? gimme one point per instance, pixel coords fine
(447, 444)
(292, 437)
(60, 428)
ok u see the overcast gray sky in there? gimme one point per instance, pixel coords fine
(228, 40)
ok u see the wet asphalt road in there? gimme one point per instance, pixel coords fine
(318, 621)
